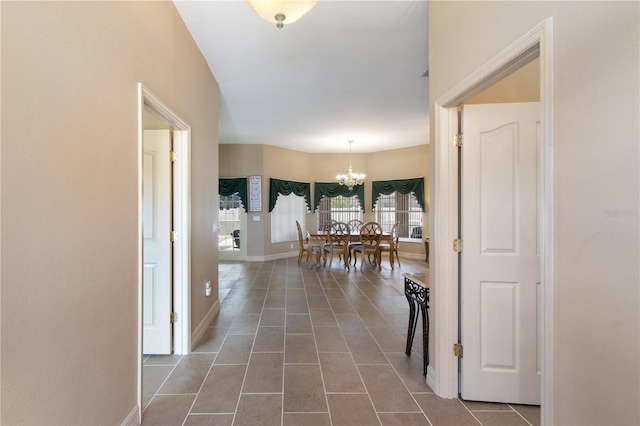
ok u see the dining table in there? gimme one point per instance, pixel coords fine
(417, 290)
(320, 237)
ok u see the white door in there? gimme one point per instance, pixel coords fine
(156, 225)
(500, 275)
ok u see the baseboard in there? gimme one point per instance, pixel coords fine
(133, 419)
(199, 331)
(416, 256)
(278, 256)
(431, 378)
(272, 257)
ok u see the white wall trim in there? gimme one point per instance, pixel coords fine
(444, 265)
(546, 96)
(431, 377)
(408, 255)
(269, 257)
(200, 329)
(182, 225)
(181, 248)
(444, 206)
(132, 418)
(140, 251)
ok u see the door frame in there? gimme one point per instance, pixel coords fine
(181, 222)
(444, 378)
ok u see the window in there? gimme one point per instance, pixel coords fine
(287, 210)
(341, 209)
(229, 218)
(402, 209)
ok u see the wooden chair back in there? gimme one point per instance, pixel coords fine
(338, 242)
(355, 225)
(370, 234)
(301, 240)
(339, 233)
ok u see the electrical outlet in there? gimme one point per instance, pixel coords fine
(291, 245)
(207, 288)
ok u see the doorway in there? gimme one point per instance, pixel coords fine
(444, 378)
(154, 113)
(500, 262)
(232, 235)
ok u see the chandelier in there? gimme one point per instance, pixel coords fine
(350, 179)
(277, 11)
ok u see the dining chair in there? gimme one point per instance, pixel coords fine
(426, 248)
(354, 227)
(370, 235)
(236, 238)
(326, 226)
(337, 242)
(305, 246)
(386, 247)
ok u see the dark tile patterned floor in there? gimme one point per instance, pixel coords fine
(299, 346)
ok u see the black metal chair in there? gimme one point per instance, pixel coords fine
(236, 238)
(416, 232)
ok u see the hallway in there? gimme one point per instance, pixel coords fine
(298, 346)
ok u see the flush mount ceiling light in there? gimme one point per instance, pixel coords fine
(350, 179)
(276, 11)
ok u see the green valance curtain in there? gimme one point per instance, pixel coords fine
(286, 187)
(333, 189)
(229, 186)
(403, 186)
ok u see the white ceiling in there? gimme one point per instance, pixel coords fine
(346, 70)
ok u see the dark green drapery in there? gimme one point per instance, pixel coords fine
(229, 186)
(333, 189)
(286, 187)
(403, 186)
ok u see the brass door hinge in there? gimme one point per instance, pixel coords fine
(457, 350)
(173, 236)
(457, 140)
(457, 246)
(174, 317)
(173, 156)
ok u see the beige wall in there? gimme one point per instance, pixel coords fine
(69, 198)
(270, 161)
(596, 184)
(285, 164)
(521, 86)
(242, 161)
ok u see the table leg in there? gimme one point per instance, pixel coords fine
(413, 316)
(425, 337)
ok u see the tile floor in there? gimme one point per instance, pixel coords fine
(299, 346)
